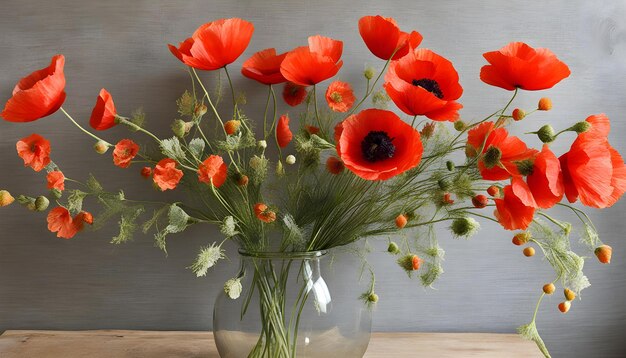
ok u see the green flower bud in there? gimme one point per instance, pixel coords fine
(393, 248)
(492, 157)
(280, 170)
(101, 147)
(460, 125)
(581, 127)
(27, 202)
(56, 193)
(290, 159)
(546, 134)
(41, 203)
(368, 73)
(450, 165)
(373, 297)
(262, 144)
(464, 227)
(443, 184)
(178, 127)
(525, 167)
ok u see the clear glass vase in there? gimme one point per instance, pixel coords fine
(287, 309)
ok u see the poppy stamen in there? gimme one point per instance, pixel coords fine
(430, 85)
(377, 146)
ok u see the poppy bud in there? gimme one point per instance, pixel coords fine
(564, 306)
(428, 130)
(231, 127)
(493, 191)
(549, 288)
(447, 199)
(87, 217)
(546, 134)
(101, 147)
(56, 193)
(444, 184)
(146, 172)
(242, 180)
(529, 251)
(415, 262)
(581, 127)
(262, 144)
(450, 165)
(280, 170)
(409, 262)
(460, 125)
(27, 202)
(372, 297)
(603, 253)
(368, 73)
(393, 248)
(492, 157)
(521, 238)
(401, 221)
(6, 198)
(480, 201)
(569, 294)
(200, 110)
(41, 203)
(518, 114)
(291, 159)
(178, 127)
(545, 104)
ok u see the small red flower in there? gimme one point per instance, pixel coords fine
(309, 65)
(103, 114)
(215, 44)
(382, 36)
(35, 151)
(85, 217)
(480, 201)
(340, 96)
(546, 180)
(501, 153)
(146, 172)
(263, 213)
(264, 67)
(592, 169)
(516, 209)
(61, 222)
(518, 65)
(283, 133)
(56, 180)
(124, 152)
(294, 94)
(424, 83)
(213, 170)
(37, 95)
(376, 144)
(334, 165)
(166, 176)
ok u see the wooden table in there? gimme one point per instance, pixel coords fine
(152, 344)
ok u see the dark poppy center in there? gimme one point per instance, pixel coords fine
(430, 85)
(377, 146)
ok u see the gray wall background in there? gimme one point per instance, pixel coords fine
(86, 283)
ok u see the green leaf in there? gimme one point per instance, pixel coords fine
(171, 148)
(186, 104)
(75, 201)
(178, 220)
(292, 232)
(153, 220)
(196, 147)
(138, 117)
(93, 184)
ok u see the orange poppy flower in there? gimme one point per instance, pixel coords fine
(124, 152)
(309, 65)
(166, 176)
(546, 180)
(84, 217)
(592, 169)
(35, 151)
(376, 144)
(501, 153)
(213, 171)
(518, 65)
(37, 95)
(382, 36)
(264, 67)
(263, 213)
(103, 114)
(424, 83)
(61, 222)
(516, 209)
(283, 133)
(56, 180)
(294, 94)
(340, 96)
(215, 44)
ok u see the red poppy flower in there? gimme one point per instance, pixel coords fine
(215, 44)
(516, 209)
(103, 114)
(501, 153)
(546, 180)
(37, 95)
(340, 96)
(84, 217)
(294, 94)
(263, 213)
(56, 180)
(283, 133)
(61, 222)
(124, 152)
(309, 65)
(518, 65)
(424, 83)
(35, 151)
(146, 172)
(312, 129)
(592, 169)
(382, 36)
(213, 171)
(376, 144)
(264, 66)
(166, 176)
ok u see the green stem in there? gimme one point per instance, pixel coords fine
(83, 129)
(206, 93)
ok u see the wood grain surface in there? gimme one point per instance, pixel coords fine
(150, 344)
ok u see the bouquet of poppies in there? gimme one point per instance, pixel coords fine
(352, 170)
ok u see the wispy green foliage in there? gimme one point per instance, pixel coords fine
(75, 201)
(128, 225)
(138, 117)
(186, 104)
(178, 220)
(207, 258)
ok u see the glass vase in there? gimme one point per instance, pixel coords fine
(287, 309)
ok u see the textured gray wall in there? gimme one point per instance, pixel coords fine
(86, 283)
